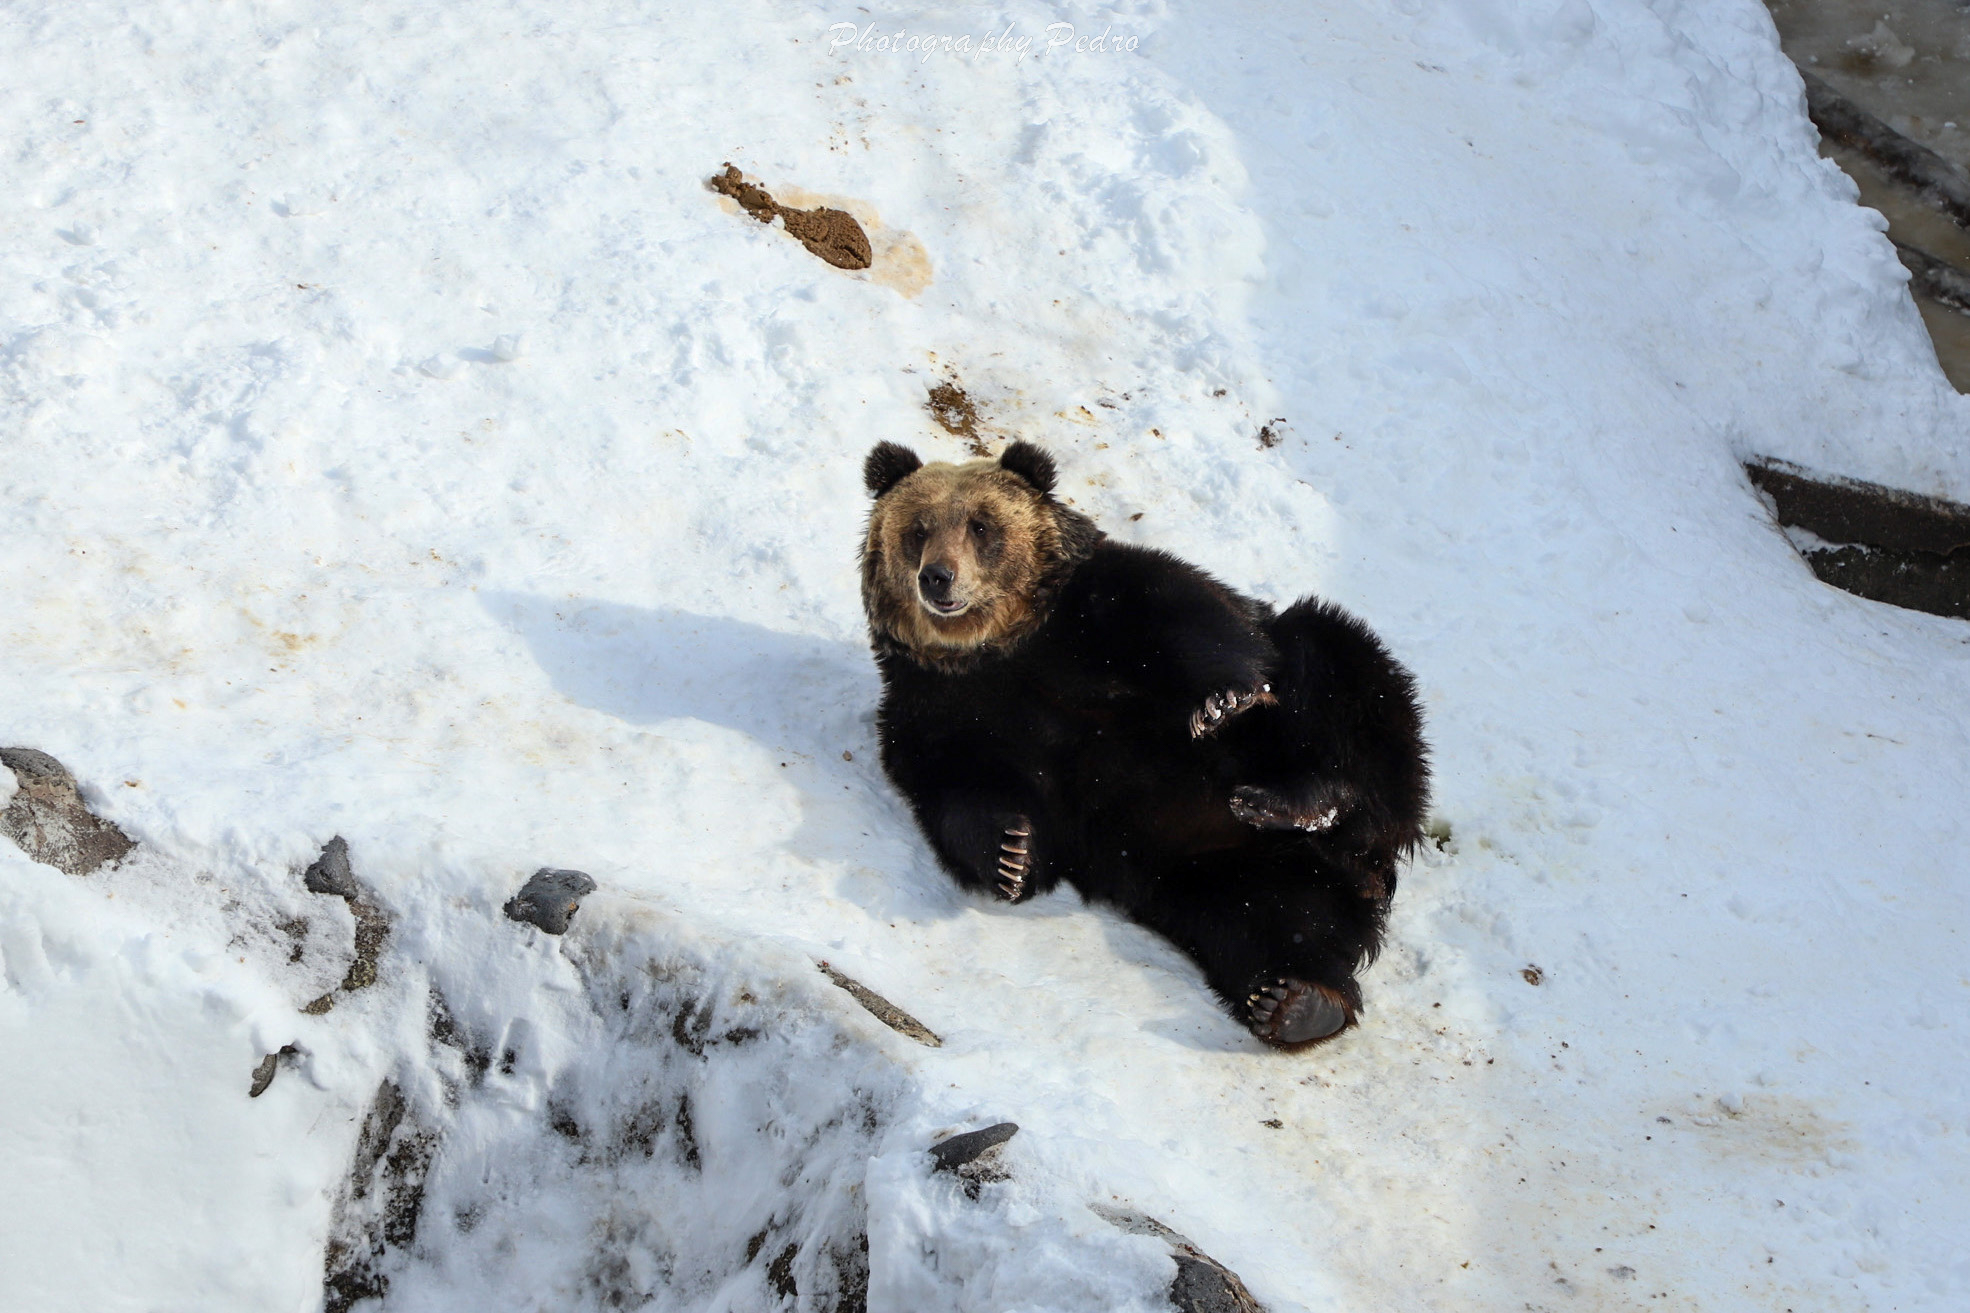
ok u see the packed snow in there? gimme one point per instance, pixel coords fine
(401, 442)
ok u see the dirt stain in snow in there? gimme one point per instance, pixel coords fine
(956, 414)
(1778, 1130)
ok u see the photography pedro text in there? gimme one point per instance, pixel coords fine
(1057, 36)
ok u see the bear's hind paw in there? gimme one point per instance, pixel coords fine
(1015, 860)
(1222, 705)
(1264, 809)
(1290, 1011)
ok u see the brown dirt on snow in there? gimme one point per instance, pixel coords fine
(956, 414)
(832, 234)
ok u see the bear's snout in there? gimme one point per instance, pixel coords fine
(934, 582)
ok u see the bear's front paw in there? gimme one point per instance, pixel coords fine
(1222, 705)
(1015, 859)
(1290, 1011)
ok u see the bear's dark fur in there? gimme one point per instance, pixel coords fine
(1059, 706)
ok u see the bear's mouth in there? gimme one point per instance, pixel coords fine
(944, 610)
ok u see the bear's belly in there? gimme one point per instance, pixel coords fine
(1155, 800)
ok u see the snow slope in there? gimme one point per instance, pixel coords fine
(292, 549)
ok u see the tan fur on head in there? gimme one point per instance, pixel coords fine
(1008, 544)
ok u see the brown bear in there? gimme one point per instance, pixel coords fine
(1059, 706)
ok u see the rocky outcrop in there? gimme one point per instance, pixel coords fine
(48, 819)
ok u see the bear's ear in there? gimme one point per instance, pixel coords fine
(887, 465)
(1030, 463)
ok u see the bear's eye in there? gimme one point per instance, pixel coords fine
(978, 530)
(915, 535)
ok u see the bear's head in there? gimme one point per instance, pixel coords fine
(961, 560)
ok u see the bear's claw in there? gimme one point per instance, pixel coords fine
(1289, 1011)
(1224, 704)
(1015, 859)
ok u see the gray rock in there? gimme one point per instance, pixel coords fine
(550, 898)
(331, 873)
(975, 1157)
(1202, 1285)
(47, 818)
(958, 1150)
(32, 764)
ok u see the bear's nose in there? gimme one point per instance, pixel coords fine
(935, 580)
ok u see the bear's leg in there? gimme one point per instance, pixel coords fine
(1346, 828)
(1341, 755)
(990, 840)
(1314, 806)
(1279, 937)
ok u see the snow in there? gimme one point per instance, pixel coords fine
(404, 444)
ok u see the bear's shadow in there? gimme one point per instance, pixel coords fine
(804, 698)
(643, 666)
(815, 697)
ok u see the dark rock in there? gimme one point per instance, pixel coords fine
(882, 1009)
(1202, 1285)
(1843, 510)
(550, 898)
(974, 1157)
(47, 818)
(331, 873)
(1915, 581)
(1884, 544)
(958, 1150)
